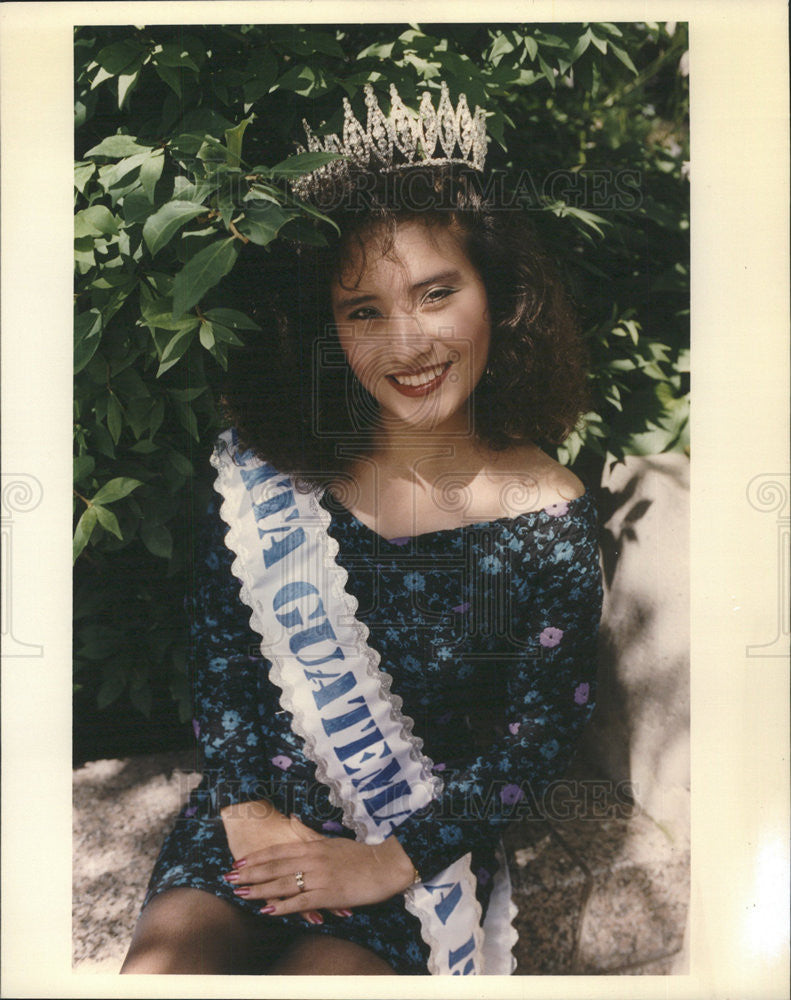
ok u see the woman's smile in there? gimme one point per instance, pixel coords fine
(421, 382)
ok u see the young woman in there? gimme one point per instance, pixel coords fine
(425, 579)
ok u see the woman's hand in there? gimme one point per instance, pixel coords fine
(253, 826)
(337, 872)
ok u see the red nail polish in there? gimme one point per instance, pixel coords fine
(267, 909)
(231, 876)
(344, 913)
(242, 891)
(314, 918)
(240, 863)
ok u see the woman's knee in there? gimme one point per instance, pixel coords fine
(188, 931)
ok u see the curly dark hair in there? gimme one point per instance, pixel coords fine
(296, 402)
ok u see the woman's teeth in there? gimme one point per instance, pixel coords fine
(422, 379)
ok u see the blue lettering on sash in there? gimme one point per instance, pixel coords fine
(288, 593)
(455, 955)
(253, 477)
(274, 503)
(348, 718)
(309, 636)
(376, 779)
(336, 654)
(342, 684)
(448, 902)
(396, 791)
(357, 746)
(282, 546)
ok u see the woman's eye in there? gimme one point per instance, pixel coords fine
(364, 312)
(437, 294)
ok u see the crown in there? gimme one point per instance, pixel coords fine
(401, 139)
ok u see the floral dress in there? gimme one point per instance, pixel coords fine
(489, 632)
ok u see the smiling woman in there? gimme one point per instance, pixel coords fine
(395, 526)
(515, 356)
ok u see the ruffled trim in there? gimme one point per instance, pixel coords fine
(349, 603)
(462, 870)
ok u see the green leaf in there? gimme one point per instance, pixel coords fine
(233, 140)
(151, 171)
(108, 520)
(163, 225)
(115, 418)
(176, 56)
(144, 447)
(546, 69)
(86, 343)
(188, 420)
(83, 531)
(170, 76)
(226, 335)
(312, 211)
(500, 47)
(97, 220)
(116, 146)
(86, 325)
(117, 175)
(263, 66)
(624, 57)
(187, 395)
(177, 348)
(114, 59)
(379, 50)
(300, 79)
(82, 174)
(206, 334)
(531, 47)
(262, 223)
(116, 489)
(180, 463)
(83, 467)
(126, 84)
(111, 690)
(203, 272)
(157, 539)
(233, 318)
(302, 163)
(581, 45)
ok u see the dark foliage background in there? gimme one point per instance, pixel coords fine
(184, 138)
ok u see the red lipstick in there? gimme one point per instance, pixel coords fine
(424, 388)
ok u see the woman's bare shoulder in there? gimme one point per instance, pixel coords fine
(531, 480)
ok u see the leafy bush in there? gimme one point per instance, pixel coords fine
(184, 139)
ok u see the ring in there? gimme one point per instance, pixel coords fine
(300, 881)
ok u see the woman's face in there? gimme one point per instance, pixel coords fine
(414, 325)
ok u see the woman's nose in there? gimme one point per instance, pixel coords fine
(405, 330)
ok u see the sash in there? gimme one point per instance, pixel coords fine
(340, 701)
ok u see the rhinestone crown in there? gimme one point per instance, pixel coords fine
(401, 139)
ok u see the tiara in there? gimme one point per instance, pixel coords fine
(401, 139)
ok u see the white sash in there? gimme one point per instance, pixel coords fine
(342, 707)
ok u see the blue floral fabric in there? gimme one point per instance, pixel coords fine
(489, 633)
